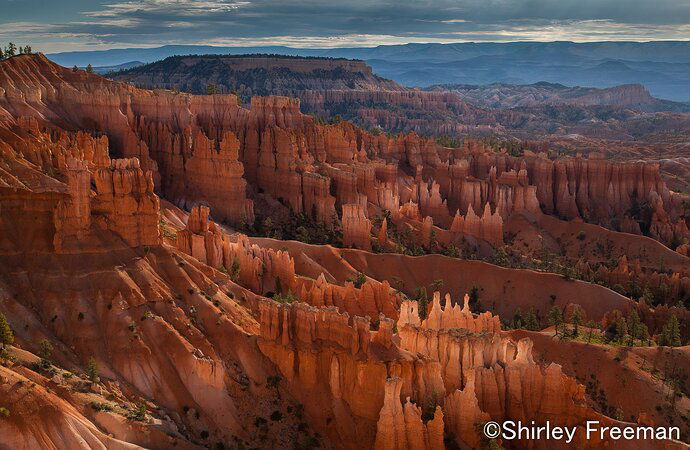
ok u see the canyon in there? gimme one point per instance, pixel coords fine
(624, 123)
(213, 275)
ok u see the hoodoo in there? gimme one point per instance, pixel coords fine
(179, 270)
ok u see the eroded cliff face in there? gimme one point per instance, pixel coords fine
(265, 270)
(368, 388)
(167, 331)
(190, 351)
(210, 149)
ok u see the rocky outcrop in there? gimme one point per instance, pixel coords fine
(259, 75)
(431, 203)
(72, 216)
(356, 227)
(468, 377)
(216, 176)
(39, 418)
(203, 148)
(202, 239)
(372, 299)
(489, 377)
(488, 227)
(452, 316)
(259, 269)
(401, 427)
(125, 202)
(185, 329)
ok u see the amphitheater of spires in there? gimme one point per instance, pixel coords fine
(208, 148)
(91, 174)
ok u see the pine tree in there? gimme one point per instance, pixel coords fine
(518, 322)
(633, 326)
(235, 270)
(592, 326)
(2, 55)
(674, 332)
(647, 296)
(89, 68)
(92, 370)
(11, 49)
(75, 69)
(422, 302)
(670, 334)
(6, 335)
(643, 334)
(27, 49)
(45, 350)
(474, 303)
(555, 318)
(436, 285)
(576, 320)
(532, 321)
(621, 328)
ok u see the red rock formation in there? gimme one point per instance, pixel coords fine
(401, 427)
(218, 177)
(89, 271)
(683, 249)
(410, 210)
(371, 300)
(318, 203)
(383, 233)
(387, 197)
(201, 239)
(356, 227)
(452, 316)
(72, 217)
(431, 203)
(187, 142)
(485, 375)
(488, 227)
(39, 418)
(126, 204)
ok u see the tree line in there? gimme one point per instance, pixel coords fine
(11, 50)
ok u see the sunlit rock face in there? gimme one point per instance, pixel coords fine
(119, 211)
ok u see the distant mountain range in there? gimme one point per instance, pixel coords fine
(509, 96)
(118, 67)
(662, 67)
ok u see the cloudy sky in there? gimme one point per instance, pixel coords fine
(59, 25)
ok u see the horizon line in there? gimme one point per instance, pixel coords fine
(380, 45)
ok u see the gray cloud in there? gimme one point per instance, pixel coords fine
(360, 22)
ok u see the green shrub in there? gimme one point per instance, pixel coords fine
(92, 370)
(45, 350)
(97, 406)
(138, 413)
(6, 335)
